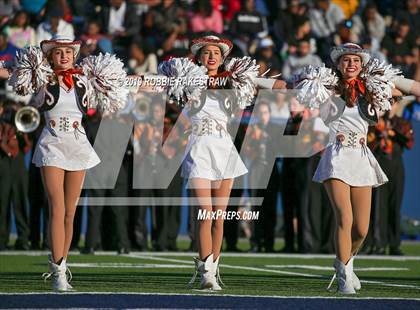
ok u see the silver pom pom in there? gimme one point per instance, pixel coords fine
(106, 80)
(186, 80)
(315, 85)
(244, 71)
(378, 78)
(30, 72)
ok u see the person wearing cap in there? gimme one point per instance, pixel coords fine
(54, 25)
(348, 168)
(63, 151)
(267, 58)
(212, 161)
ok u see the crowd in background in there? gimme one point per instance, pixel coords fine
(283, 36)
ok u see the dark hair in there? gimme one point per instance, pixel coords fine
(300, 20)
(369, 6)
(403, 22)
(13, 23)
(305, 39)
(204, 6)
(140, 43)
(94, 21)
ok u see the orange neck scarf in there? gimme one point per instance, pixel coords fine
(354, 86)
(68, 76)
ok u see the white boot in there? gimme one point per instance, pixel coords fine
(356, 282)
(215, 270)
(344, 277)
(69, 276)
(207, 275)
(58, 275)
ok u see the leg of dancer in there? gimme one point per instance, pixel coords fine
(211, 196)
(352, 212)
(63, 191)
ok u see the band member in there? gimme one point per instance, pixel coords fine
(390, 137)
(262, 153)
(348, 168)
(148, 135)
(14, 183)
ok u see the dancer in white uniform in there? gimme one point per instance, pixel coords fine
(354, 163)
(63, 142)
(348, 168)
(63, 152)
(212, 161)
(211, 153)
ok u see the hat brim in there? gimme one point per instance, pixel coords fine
(48, 45)
(224, 45)
(339, 51)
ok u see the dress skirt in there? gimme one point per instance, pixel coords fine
(355, 166)
(70, 150)
(212, 157)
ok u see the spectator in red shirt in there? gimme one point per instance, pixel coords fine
(13, 184)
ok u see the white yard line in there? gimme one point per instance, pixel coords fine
(209, 294)
(223, 265)
(245, 255)
(328, 268)
(126, 265)
(308, 275)
(155, 256)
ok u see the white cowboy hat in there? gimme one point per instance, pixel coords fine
(60, 41)
(266, 42)
(352, 49)
(224, 44)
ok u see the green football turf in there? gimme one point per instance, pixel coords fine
(242, 274)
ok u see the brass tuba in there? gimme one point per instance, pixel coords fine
(27, 119)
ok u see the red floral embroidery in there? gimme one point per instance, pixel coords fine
(340, 137)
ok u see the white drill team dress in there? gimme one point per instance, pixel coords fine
(210, 152)
(354, 162)
(63, 142)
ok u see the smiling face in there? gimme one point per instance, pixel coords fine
(350, 66)
(211, 58)
(62, 58)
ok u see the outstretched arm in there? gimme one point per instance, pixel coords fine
(407, 86)
(268, 83)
